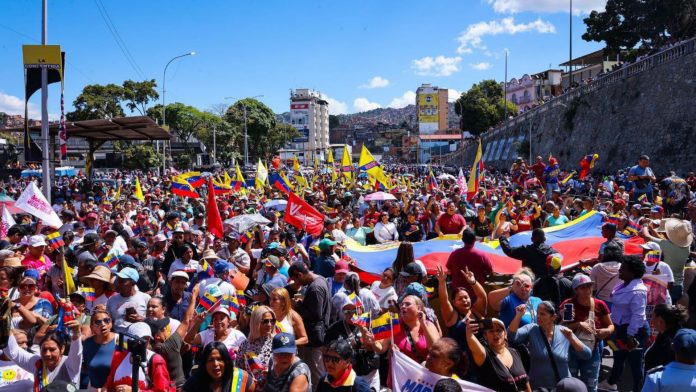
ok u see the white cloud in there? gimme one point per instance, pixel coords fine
(376, 82)
(550, 6)
(409, 98)
(482, 66)
(335, 106)
(438, 66)
(453, 95)
(472, 38)
(363, 105)
(15, 105)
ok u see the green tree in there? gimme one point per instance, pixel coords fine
(625, 24)
(334, 121)
(227, 137)
(260, 120)
(138, 155)
(278, 138)
(97, 102)
(184, 122)
(482, 107)
(137, 95)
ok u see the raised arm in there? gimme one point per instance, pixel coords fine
(445, 304)
(74, 361)
(515, 323)
(21, 357)
(478, 352)
(496, 297)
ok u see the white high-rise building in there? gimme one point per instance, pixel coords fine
(309, 113)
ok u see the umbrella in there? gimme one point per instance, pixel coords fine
(9, 203)
(242, 223)
(277, 204)
(379, 196)
(445, 176)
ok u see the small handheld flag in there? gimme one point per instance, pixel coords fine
(89, 294)
(362, 320)
(55, 240)
(386, 324)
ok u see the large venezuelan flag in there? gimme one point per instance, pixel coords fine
(578, 239)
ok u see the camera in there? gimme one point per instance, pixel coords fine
(136, 345)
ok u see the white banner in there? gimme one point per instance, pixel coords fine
(409, 376)
(6, 221)
(34, 202)
(461, 182)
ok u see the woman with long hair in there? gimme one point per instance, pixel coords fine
(548, 350)
(668, 319)
(498, 366)
(288, 320)
(256, 352)
(458, 308)
(404, 256)
(98, 350)
(216, 372)
(50, 365)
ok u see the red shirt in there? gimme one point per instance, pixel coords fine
(451, 224)
(478, 262)
(581, 312)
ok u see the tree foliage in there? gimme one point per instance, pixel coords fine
(138, 156)
(482, 107)
(106, 101)
(260, 121)
(626, 24)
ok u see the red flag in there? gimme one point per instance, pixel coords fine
(214, 219)
(303, 216)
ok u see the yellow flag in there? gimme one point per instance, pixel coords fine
(240, 177)
(346, 164)
(330, 158)
(285, 178)
(261, 175)
(138, 190)
(228, 179)
(295, 163)
(372, 167)
(117, 195)
(316, 163)
(68, 279)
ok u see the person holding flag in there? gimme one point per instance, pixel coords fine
(255, 352)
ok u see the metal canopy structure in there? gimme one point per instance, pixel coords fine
(98, 132)
(122, 128)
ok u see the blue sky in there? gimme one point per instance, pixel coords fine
(361, 54)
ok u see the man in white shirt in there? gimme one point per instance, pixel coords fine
(129, 305)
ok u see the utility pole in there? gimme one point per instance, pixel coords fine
(570, 45)
(214, 146)
(246, 139)
(45, 135)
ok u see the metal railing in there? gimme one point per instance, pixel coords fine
(617, 76)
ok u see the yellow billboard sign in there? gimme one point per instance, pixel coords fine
(427, 108)
(43, 56)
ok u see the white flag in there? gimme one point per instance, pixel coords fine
(409, 376)
(461, 182)
(34, 202)
(6, 222)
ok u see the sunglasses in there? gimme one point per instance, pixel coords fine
(103, 321)
(27, 286)
(331, 358)
(268, 321)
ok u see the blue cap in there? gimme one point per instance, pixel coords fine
(127, 260)
(284, 343)
(273, 245)
(221, 266)
(128, 273)
(684, 343)
(32, 274)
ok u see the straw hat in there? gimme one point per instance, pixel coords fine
(11, 262)
(209, 254)
(100, 272)
(679, 232)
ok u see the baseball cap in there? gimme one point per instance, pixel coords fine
(656, 210)
(684, 343)
(32, 274)
(272, 261)
(284, 343)
(650, 245)
(37, 240)
(221, 266)
(179, 274)
(580, 280)
(156, 325)
(411, 269)
(127, 260)
(326, 243)
(128, 273)
(342, 267)
(140, 329)
(160, 238)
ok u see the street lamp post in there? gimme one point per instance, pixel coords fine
(164, 106)
(246, 132)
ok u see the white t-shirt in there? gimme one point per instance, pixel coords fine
(101, 300)
(234, 339)
(192, 267)
(665, 275)
(14, 378)
(383, 295)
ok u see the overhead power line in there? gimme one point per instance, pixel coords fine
(119, 41)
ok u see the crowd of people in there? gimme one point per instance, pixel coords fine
(161, 301)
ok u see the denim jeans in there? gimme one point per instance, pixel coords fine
(550, 188)
(587, 370)
(634, 357)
